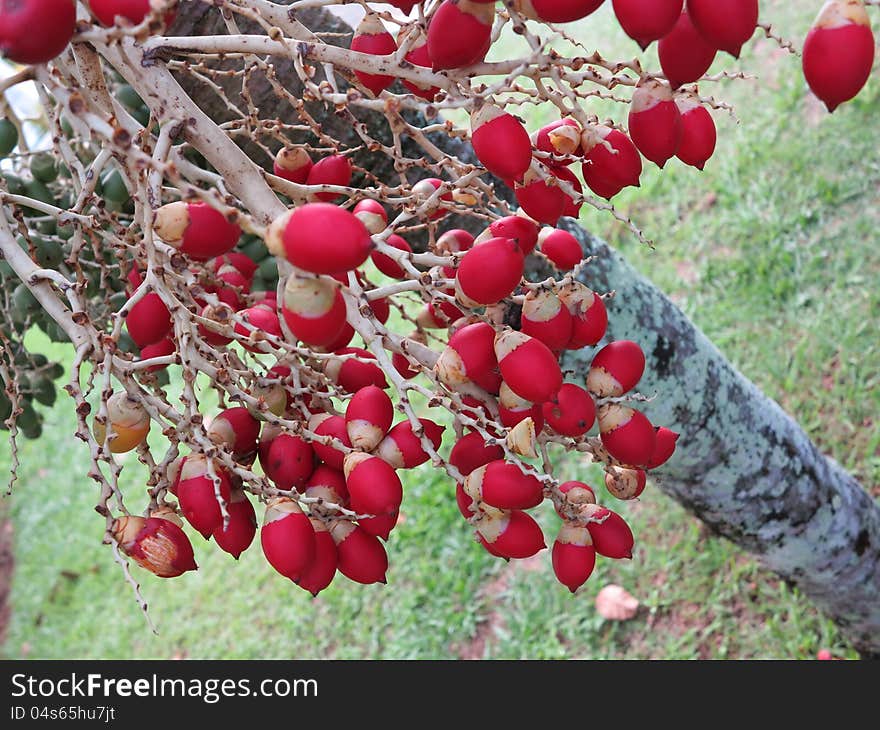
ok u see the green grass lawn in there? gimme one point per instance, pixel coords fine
(773, 253)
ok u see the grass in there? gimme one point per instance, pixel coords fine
(772, 251)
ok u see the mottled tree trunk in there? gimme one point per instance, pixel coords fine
(742, 465)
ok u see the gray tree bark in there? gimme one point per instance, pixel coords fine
(742, 465)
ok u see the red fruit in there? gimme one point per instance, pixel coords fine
(500, 142)
(35, 31)
(684, 54)
(512, 409)
(726, 24)
(196, 229)
(236, 429)
(388, 265)
(572, 207)
(134, 11)
(156, 544)
(457, 240)
(158, 349)
(589, 316)
(547, 319)
(419, 56)
(560, 11)
(471, 452)
(372, 215)
(562, 137)
(527, 366)
(313, 309)
(405, 5)
(328, 485)
(289, 462)
(198, 496)
(625, 483)
(373, 486)
(239, 261)
(517, 228)
(574, 556)
(627, 434)
(464, 502)
(319, 574)
(575, 496)
(362, 558)
(664, 447)
(333, 427)
(839, 52)
(380, 525)
(571, 412)
(698, 134)
(293, 163)
(606, 173)
(263, 321)
(654, 121)
(403, 449)
(489, 272)
(371, 37)
(426, 189)
(149, 320)
(403, 366)
(647, 20)
(333, 170)
(563, 249)
(469, 355)
(368, 417)
(512, 534)
(343, 339)
(616, 369)
(320, 238)
(824, 655)
(241, 528)
(231, 286)
(459, 33)
(611, 535)
(503, 485)
(287, 538)
(352, 373)
(542, 202)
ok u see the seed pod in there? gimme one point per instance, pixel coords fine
(352, 373)
(646, 21)
(319, 574)
(589, 316)
(332, 170)
(684, 54)
(334, 427)
(403, 449)
(624, 483)
(134, 11)
(471, 452)
(654, 121)
(419, 56)
(512, 534)
(500, 142)
(522, 438)
(459, 33)
(36, 31)
(489, 272)
(562, 137)
(129, 423)
(626, 433)
(328, 485)
(455, 240)
(616, 369)
(236, 429)
(372, 37)
(610, 533)
(839, 52)
(156, 544)
(606, 173)
(547, 319)
(368, 417)
(698, 133)
(320, 238)
(362, 558)
(571, 412)
(289, 462)
(664, 447)
(470, 354)
(263, 321)
(293, 163)
(512, 409)
(196, 229)
(241, 528)
(149, 320)
(527, 366)
(575, 495)
(503, 484)
(542, 202)
(557, 11)
(197, 495)
(287, 538)
(373, 486)
(561, 248)
(725, 24)
(313, 309)
(574, 556)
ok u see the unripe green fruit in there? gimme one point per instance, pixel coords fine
(255, 250)
(56, 370)
(128, 97)
(268, 269)
(39, 360)
(142, 115)
(49, 226)
(5, 408)
(14, 184)
(50, 254)
(66, 127)
(23, 300)
(38, 190)
(8, 137)
(43, 167)
(45, 393)
(113, 187)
